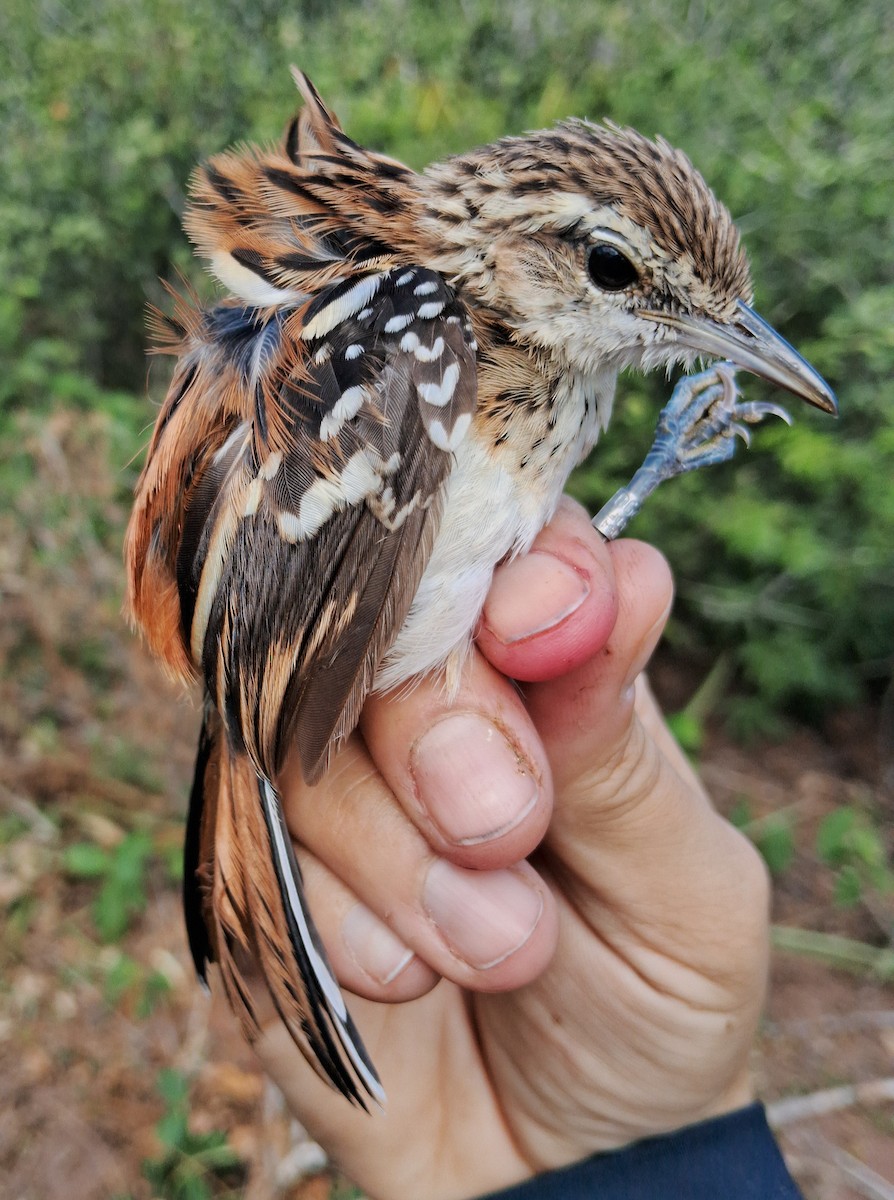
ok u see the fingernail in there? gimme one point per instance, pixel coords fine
(483, 917)
(539, 583)
(471, 781)
(372, 945)
(645, 649)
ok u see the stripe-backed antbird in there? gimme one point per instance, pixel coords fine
(388, 403)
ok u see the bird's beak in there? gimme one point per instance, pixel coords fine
(750, 343)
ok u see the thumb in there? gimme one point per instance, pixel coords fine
(586, 715)
(634, 837)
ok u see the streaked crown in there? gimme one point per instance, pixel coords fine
(579, 177)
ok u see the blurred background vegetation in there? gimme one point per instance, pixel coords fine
(783, 561)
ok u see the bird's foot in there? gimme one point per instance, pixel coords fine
(699, 424)
(697, 428)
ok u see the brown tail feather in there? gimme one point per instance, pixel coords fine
(231, 914)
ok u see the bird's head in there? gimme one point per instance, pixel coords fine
(605, 249)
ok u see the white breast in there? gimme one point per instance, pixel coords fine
(492, 510)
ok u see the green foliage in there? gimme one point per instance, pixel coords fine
(783, 560)
(11, 828)
(851, 843)
(773, 835)
(121, 873)
(125, 978)
(191, 1162)
(688, 730)
(776, 843)
(688, 725)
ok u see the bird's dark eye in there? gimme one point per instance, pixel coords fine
(610, 269)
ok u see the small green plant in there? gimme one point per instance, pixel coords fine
(122, 872)
(849, 843)
(688, 725)
(773, 835)
(126, 978)
(688, 730)
(192, 1163)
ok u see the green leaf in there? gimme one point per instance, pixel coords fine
(86, 860)
(740, 814)
(848, 887)
(866, 845)
(173, 1086)
(172, 1128)
(777, 844)
(833, 835)
(688, 729)
(123, 894)
(156, 988)
(122, 976)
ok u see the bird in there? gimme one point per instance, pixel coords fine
(385, 404)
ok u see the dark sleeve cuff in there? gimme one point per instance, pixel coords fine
(733, 1157)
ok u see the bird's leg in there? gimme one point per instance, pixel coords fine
(697, 428)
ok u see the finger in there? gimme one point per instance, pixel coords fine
(472, 774)
(553, 608)
(368, 958)
(601, 691)
(635, 837)
(469, 770)
(430, 1061)
(487, 930)
(655, 727)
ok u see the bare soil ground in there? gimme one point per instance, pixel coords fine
(96, 752)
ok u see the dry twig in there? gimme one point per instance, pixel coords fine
(817, 1104)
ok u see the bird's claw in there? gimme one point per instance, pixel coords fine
(755, 410)
(699, 424)
(697, 428)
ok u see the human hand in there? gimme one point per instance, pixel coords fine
(524, 1015)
